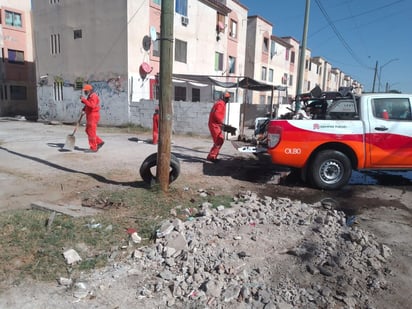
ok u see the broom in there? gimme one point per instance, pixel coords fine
(70, 139)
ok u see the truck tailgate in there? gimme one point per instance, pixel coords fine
(248, 147)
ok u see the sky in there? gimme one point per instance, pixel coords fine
(353, 35)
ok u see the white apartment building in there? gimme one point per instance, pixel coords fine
(115, 46)
(274, 60)
(268, 61)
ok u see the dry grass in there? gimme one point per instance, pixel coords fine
(33, 247)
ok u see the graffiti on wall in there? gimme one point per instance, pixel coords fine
(48, 110)
(111, 87)
(112, 92)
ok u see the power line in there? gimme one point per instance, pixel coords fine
(339, 35)
(360, 14)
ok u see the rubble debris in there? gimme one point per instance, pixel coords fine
(235, 257)
(71, 256)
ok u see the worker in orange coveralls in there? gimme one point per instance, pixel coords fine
(216, 119)
(156, 126)
(92, 109)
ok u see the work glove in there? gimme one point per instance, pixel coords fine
(229, 129)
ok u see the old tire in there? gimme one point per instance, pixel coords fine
(330, 170)
(151, 161)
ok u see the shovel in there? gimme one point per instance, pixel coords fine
(70, 139)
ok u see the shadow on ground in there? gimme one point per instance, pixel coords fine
(97, 177)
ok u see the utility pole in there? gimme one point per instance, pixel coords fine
(165, 94)
(374, 77)
(380, 72)
(302, 54)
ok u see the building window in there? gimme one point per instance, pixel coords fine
(158, 2)
(218, 61)
(220, 23)
(156, 47)
(16, 56)
(55, 44)
(262, 99)
(272, 49)
(308, 88)
(180, 93)
(18, 93)
(284, 79)
(54, 1)
(308, 65)
(290, 80)
(263, 77)
(58, 91)
(181, 7)
(13, 19)
(287, 54)
(233, 29)
(78, 83)
(195, 95)
(292, 57)
(77, 34)
(265, 45)
(232, 64)
(271, 75)
(3, 93)
(181, 51)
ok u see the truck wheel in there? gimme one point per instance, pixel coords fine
(330, 170)
(151, 161)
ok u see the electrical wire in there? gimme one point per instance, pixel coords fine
(339, 35)
(359, 14)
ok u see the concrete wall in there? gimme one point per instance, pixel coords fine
(98, 57)
(192, 118)
(113, 101)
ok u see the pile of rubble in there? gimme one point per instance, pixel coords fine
(258, 253)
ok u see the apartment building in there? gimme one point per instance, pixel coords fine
(293, 65)
(115, 46)
(274, 60)
(17, 72)
(267, 59)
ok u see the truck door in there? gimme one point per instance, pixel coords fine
(390, 132)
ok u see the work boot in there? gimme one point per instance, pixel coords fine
(214, 160)
(90, 150)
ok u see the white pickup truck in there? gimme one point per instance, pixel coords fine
(372, 131)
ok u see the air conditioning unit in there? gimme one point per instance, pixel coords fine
(185, 20)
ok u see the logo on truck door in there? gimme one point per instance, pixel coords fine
(293, 151)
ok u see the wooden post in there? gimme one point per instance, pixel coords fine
(165, 94)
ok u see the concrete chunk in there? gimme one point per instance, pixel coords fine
(67, 209)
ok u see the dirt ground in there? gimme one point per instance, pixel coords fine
(33, 168)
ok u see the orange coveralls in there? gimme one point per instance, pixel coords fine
(92, 110)
(216, 118)
(155, 127)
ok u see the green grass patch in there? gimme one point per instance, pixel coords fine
(127, 128)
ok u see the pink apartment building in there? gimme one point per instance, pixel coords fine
(17, 68)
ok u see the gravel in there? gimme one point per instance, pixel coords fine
(255, 253)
